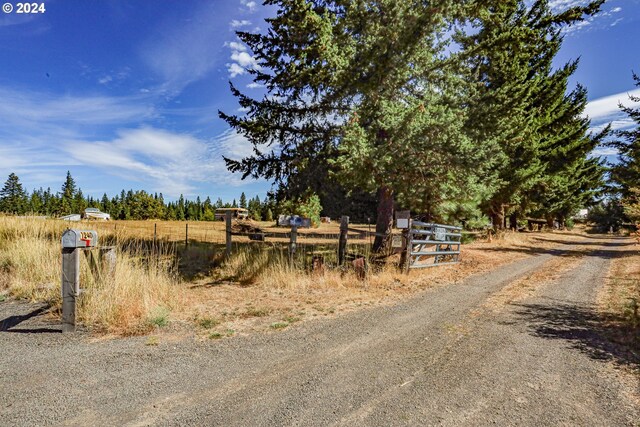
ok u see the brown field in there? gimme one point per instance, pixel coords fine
(619, 300)
(194, 290)
(202, 231)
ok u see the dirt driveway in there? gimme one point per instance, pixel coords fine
(505, 348)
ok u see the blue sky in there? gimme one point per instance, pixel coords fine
(125, 94)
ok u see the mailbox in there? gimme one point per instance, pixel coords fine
(79, 239)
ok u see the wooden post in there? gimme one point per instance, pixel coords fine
(186, 234)
(293, 241)
(342, 242)
(405, 258)
(70, 287)
(108, 261)
(155, 234)
(228, 216)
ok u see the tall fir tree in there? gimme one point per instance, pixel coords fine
(67, 195)
(365, 86)
(625, 173)
(13, 198)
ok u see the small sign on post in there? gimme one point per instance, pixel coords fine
(402, 219)
(72, 242)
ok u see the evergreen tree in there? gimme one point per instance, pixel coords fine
(13, 198)
(268, 215)
(243, 200)
(625, 173)
(519, 102)
(67, 195)
(366, 85)
(79, 203)
(36, 202)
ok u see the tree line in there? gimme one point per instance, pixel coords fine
(451, 109)
(131, 204)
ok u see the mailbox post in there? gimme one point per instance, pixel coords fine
(72, 242)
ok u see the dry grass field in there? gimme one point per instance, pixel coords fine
(619, 300)
(193, 288)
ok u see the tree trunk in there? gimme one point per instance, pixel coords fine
(497, 215)
(384, 223)
(513, 221)
(550, 219)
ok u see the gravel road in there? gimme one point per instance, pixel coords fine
(441, 358)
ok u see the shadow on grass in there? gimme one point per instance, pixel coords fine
(601, 337)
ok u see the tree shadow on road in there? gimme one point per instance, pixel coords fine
(600, 336)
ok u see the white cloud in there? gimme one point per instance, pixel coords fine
(235, 70)
(606, 109)
(35, 110)
(185, 52)
(104, 80)
(249, 4)
(604, 17)
(242, 60)
(163, 160)
(236, 46)
(604, 151)
(239, 23)
(254, 85)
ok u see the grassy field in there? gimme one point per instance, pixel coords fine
(183, 286)
(619, 301)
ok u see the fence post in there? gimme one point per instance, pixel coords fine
(227, 218)
(406, 254)
(403, 222)
(293, 241)
(342, 243)
(186, 234)
(155, 234)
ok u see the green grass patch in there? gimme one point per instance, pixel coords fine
(215, 335)
(159, 317)
(279, 325)
(208, 322)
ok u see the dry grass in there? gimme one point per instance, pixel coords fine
(257, 287)
(619, 299)
(139, 294)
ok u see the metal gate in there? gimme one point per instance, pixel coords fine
(430, 245)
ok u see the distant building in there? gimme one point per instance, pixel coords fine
(72, 217)
(240, 213)
(94, 213)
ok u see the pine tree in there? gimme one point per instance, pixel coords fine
(625, 173)
(13, 198)
(519, 102)
(243, 200)
(36, 202)
(363, 84)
